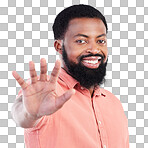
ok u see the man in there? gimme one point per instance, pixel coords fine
(69, 109)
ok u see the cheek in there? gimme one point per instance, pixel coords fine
(106, 55)
(73, 57)
(73, 53)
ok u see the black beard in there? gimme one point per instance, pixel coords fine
(85, 76)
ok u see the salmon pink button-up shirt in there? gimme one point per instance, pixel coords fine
(83, 121)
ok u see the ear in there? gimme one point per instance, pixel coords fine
(58, 46)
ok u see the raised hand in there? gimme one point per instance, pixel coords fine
(40, 97)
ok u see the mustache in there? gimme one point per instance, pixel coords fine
(89, 55)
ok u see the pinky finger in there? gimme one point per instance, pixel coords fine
(21, 82)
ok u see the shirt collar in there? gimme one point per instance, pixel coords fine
(71, 82)
(100, 92)
(67, 78)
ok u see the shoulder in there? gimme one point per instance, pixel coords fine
(111, 97)
(115, 103)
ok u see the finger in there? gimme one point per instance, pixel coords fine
(33, 73)
(43, 73)
(65, 97)
(55, 72)
(21, 82)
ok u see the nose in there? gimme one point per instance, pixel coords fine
(93, 49)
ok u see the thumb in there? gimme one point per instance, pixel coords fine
(63, 98)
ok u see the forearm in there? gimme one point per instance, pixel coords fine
(20, 116)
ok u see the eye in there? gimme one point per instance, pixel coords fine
(102, 41)
(81, 41)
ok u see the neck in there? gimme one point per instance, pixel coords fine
(91, 90)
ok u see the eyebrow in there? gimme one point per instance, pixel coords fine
(83, 35)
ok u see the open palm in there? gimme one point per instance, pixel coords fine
(40, 97)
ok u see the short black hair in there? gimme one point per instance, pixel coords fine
(62, 20)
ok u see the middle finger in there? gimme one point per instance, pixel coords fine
(43, 73)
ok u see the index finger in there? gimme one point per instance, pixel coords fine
(55, 72)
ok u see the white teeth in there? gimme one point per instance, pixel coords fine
(91, 61)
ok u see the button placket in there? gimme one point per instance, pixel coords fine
(103, 134)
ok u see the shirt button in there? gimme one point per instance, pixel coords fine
(99, 122)
(104, 146)
(82, 88)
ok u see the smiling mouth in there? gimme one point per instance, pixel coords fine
(92, 62)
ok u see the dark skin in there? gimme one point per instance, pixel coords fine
(83, 36)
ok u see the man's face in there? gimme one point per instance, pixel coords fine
(85, 50)
(85, 36)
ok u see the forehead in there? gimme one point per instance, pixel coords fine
(86, 26)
